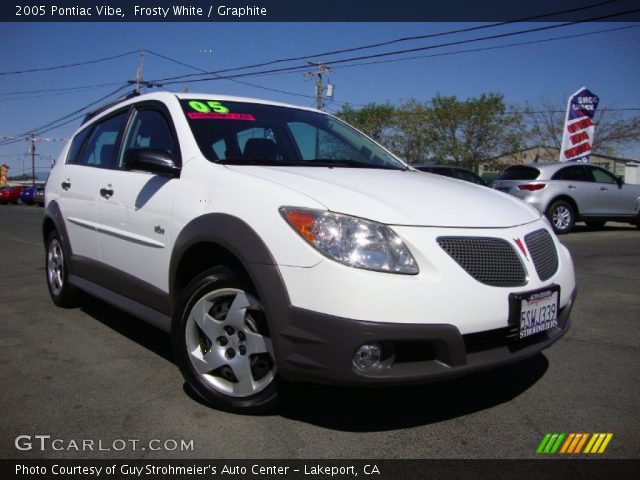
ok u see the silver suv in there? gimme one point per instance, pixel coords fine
(567, 192)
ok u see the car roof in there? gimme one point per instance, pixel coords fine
(550, 167)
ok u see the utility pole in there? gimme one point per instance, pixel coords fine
(321, 90)
(139, 72)
(32, 150)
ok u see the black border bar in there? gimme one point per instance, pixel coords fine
(547, 469)
(213, 11)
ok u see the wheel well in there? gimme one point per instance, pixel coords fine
(568, 199)
(200, 257)
(47, 227)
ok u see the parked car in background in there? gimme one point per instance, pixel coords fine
(38, 197)
(33, 194)
(568, 192)
(452, 172)
(10, 194)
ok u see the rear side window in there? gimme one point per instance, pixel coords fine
(574, 173)
(519, 172)
(100, 150)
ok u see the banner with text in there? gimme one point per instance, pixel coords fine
(577, 135)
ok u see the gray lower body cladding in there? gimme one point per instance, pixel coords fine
(320, 348)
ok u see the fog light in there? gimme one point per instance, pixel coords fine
(367, 356)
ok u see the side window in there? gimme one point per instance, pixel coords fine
(602, 176)
(102, 143)
(574, 173)
(76, 146)
(220, 149)
(150, 129)
(314, 143)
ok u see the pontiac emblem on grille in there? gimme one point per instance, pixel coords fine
(521, 247)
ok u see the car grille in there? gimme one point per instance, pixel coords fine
(491, 261)
(543, 253)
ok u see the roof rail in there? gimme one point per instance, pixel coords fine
(101, 109)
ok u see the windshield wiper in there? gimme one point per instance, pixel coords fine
(255, 161)
(327, 162)
(319, 162)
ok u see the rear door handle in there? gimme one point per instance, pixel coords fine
(66, 185)
(571, 187)
(604, 189)
(106, 192)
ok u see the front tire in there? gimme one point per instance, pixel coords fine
(222, 344)
(562, 216)
(62, 293)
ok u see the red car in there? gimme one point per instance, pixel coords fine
(10, 194)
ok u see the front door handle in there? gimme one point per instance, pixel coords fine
(66, 185)
(603, 189)
(106, 193)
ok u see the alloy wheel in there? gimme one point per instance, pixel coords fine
(227, 342)
(55, 267)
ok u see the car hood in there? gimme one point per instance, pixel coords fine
(396, 197)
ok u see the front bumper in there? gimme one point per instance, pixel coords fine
(319, 348)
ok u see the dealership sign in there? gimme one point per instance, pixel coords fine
(577, 135)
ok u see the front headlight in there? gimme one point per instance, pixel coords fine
(352, 241)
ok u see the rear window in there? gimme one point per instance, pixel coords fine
(519, 172)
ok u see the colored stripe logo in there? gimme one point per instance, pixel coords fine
(574, 443)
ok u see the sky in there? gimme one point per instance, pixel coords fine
(607, 63)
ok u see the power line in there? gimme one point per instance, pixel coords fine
(69, 65)
(55, 123)
(62, 89)
(57, 94)
(390, 42)
(398, 52)
(494, 47)
(231, 79)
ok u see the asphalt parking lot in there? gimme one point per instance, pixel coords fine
(96, 373)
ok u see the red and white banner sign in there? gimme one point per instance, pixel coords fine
(577, 136)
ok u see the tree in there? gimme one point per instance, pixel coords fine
(414, 135)
(471, 131)
(376, 120)
(444, 129)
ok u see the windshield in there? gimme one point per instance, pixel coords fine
(241, 133)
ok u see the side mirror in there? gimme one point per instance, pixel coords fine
(620, 180)
(151, 160)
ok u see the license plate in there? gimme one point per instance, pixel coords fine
(536, 311)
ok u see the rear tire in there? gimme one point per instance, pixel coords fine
(222, 345)
(62, 293)
(562, 216)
